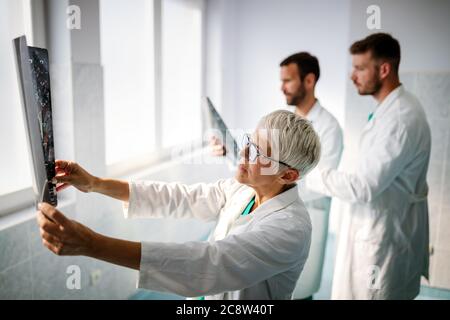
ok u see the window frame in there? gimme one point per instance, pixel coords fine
(134, 164)
(16, 200)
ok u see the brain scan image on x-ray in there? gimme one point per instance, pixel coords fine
(41, 85)
(38, 59)
(34, 79)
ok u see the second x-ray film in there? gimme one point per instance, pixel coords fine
(216, 122)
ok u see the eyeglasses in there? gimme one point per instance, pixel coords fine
(252, 152)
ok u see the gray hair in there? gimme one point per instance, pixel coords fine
(298, 144)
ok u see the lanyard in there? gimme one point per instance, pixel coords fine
(248, 207)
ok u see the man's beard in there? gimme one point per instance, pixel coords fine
(298, 97)
(373, 86)
(371, 89)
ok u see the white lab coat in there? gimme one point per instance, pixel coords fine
(258, 256)
(318, 204)
(383, 245)
(331, 140)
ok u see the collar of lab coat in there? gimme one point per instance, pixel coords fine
(384, 106)
(313, 114)
(388, 100)
(234, 217)
(277, 203)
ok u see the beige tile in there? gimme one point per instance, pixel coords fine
(441, 269)
(433, 215)
(443, 232)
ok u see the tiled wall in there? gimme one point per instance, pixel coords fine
(29, 271)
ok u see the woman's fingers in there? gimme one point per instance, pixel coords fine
(64, 166)
(55, 248)
(216, 147)
(215, 141)
(54, 214)
(48, 225)
(55, 228)
(63, 174)
(49, 237)
(218, 150)
(61, 163)
(62, 186)
(62, 178)
(63, 236)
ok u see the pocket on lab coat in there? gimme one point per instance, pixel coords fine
(382, 270)
(372, 226)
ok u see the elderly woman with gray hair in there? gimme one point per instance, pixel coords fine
(263, 232)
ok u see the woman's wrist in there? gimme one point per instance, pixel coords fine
(110, 187)
(95, 245)
(94, 185)
(117, 251)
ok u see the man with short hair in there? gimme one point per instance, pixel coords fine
(383, 244)
(299, 75)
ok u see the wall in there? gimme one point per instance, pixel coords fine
(248, 39)
(253, 36)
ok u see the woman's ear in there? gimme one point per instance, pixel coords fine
(289, 176)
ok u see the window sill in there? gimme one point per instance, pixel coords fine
(154, 166)
(16, 217)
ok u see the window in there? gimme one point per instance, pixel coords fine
(127, 49)
(15, 20)
(181, 71)
(152, 61)
(151, 53)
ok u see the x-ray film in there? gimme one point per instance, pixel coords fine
(34, 79)
(216, 122)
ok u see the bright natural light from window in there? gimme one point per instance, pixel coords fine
(127, 48)
(14, 165)
(182, 71)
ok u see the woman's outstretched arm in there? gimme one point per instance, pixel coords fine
(117, 189)
(71, 173)
(67, 237)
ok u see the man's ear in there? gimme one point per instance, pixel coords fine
(309, 81)
(289, 176)
(385, 70)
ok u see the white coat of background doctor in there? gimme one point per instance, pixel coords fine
(299, 74)
(383, 242)
(262, 237)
